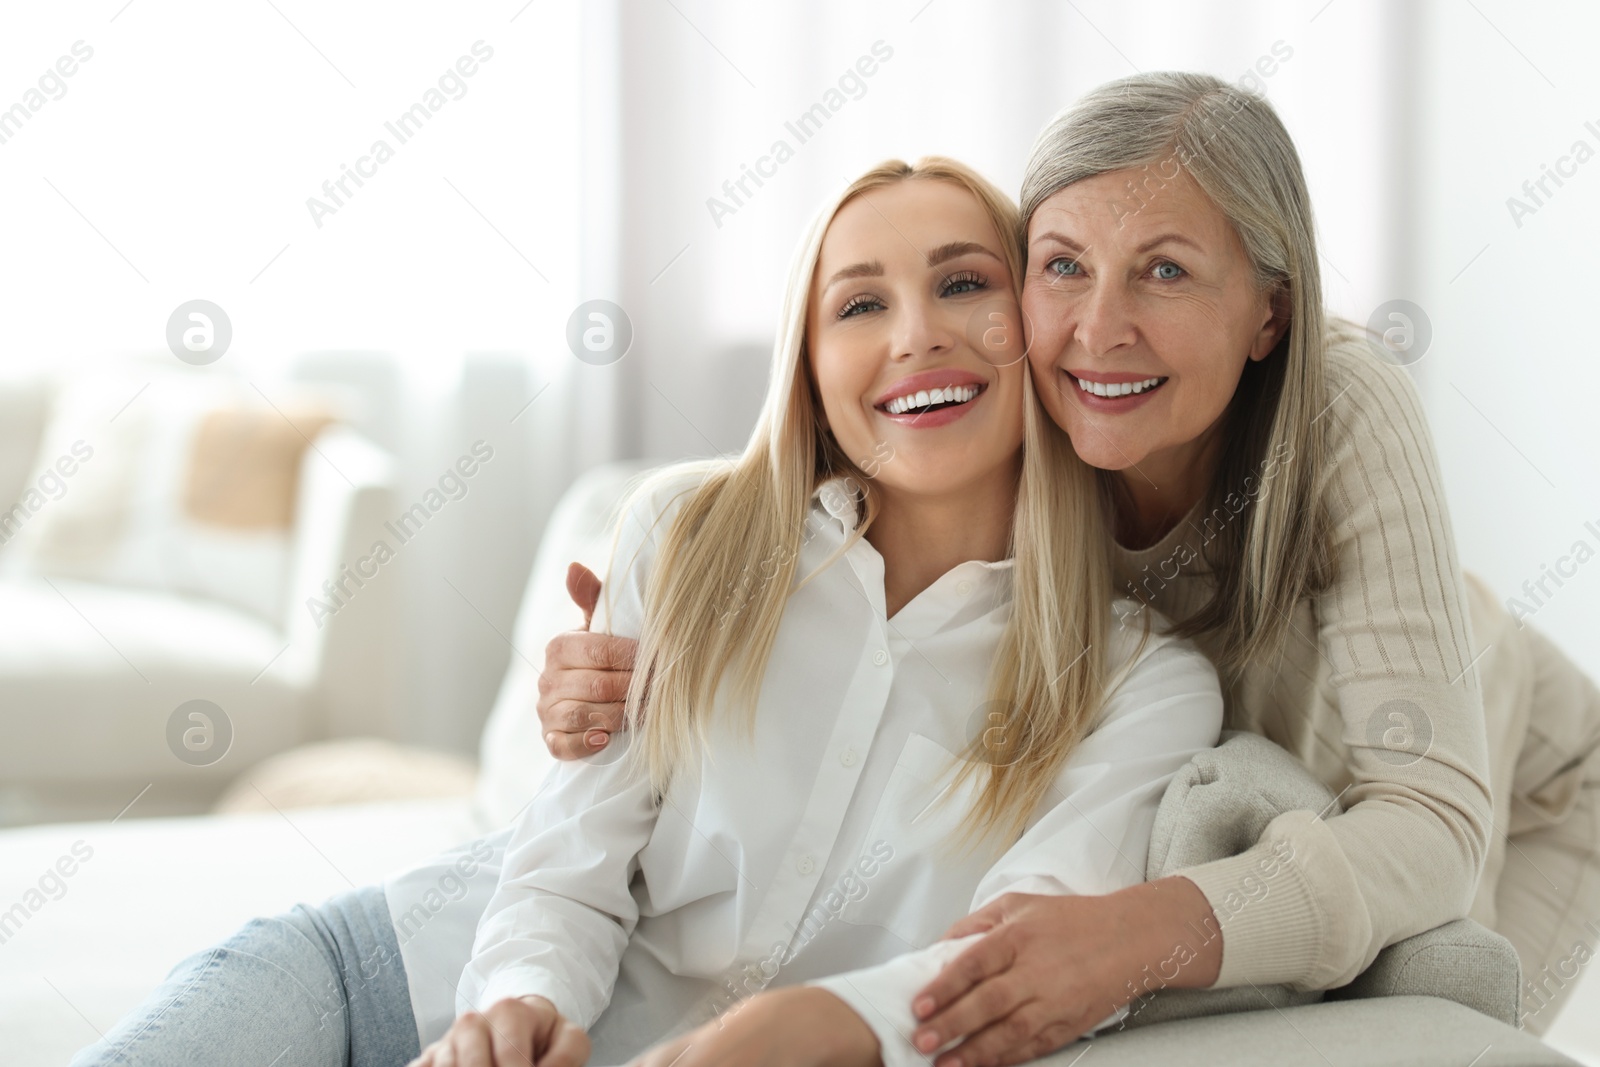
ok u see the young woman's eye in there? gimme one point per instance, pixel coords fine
(1167, 270)
(1064, 267)
(964, 282)
(859, 304)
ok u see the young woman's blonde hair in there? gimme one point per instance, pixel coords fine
(1269, 554)
(748, 514)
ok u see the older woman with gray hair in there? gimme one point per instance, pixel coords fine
(1272, 487)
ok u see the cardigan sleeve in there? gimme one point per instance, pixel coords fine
(1406, 853)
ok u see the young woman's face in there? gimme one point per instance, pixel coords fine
(1153, 301)
(910, 331)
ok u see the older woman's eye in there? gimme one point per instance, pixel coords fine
(1064, 267)
(965, 282)
(858, 304)
(1161, 270)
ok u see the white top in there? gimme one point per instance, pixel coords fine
(820, 851)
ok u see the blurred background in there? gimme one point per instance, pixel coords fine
(314, 316)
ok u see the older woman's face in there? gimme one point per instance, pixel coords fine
(1141, 319)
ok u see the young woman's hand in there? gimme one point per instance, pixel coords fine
(515, 1032)
(585, 679)
(801, 1026)
(1052, 967)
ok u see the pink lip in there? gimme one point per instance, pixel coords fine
(1116, 378)
(930, 380)
(931, 419)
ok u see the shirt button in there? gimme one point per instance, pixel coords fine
(963, 587)
(880, 657)
(804, 866)
(848, 757)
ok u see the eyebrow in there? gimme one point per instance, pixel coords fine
(1176, 238)
(942, 254)
(872, 269)
(946, 252)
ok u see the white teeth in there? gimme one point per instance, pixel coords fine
(1118, 388)
(954, 394)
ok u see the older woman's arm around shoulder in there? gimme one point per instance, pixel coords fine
(1405, 707)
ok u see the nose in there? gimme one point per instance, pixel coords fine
(1105, 319)
(921, 330)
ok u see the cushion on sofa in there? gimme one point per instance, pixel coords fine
(1217, 806)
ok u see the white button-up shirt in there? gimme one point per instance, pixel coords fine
(822, 848)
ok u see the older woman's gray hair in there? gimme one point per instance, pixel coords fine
(1164, 126)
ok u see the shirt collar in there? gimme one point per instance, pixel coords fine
(840, 498)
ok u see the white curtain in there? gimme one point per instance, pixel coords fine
(710, 88)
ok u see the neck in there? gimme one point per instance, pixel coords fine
(1164, 487)
(921, 537)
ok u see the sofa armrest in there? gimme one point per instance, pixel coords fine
(1462, 961)
(24, 411)
(340, 641)
(1387, 1031)
(512, 755)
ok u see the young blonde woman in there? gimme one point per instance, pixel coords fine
(1274, 490)
(883, 681)
(880, 681)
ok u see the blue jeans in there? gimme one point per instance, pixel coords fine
(315, 987)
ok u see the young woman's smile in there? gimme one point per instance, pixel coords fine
(931, 398)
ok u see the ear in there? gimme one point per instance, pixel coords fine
(1274, 324)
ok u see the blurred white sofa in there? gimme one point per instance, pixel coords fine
(92, 672)
(154, 890)
(145, 893)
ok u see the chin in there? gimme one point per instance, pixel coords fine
(1098, 450)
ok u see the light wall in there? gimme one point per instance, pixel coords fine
(587, 159)
(709, 87)
(1514, 372)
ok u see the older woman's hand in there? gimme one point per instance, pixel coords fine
(585, 679)
(1052, 967)
(802, 1026)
